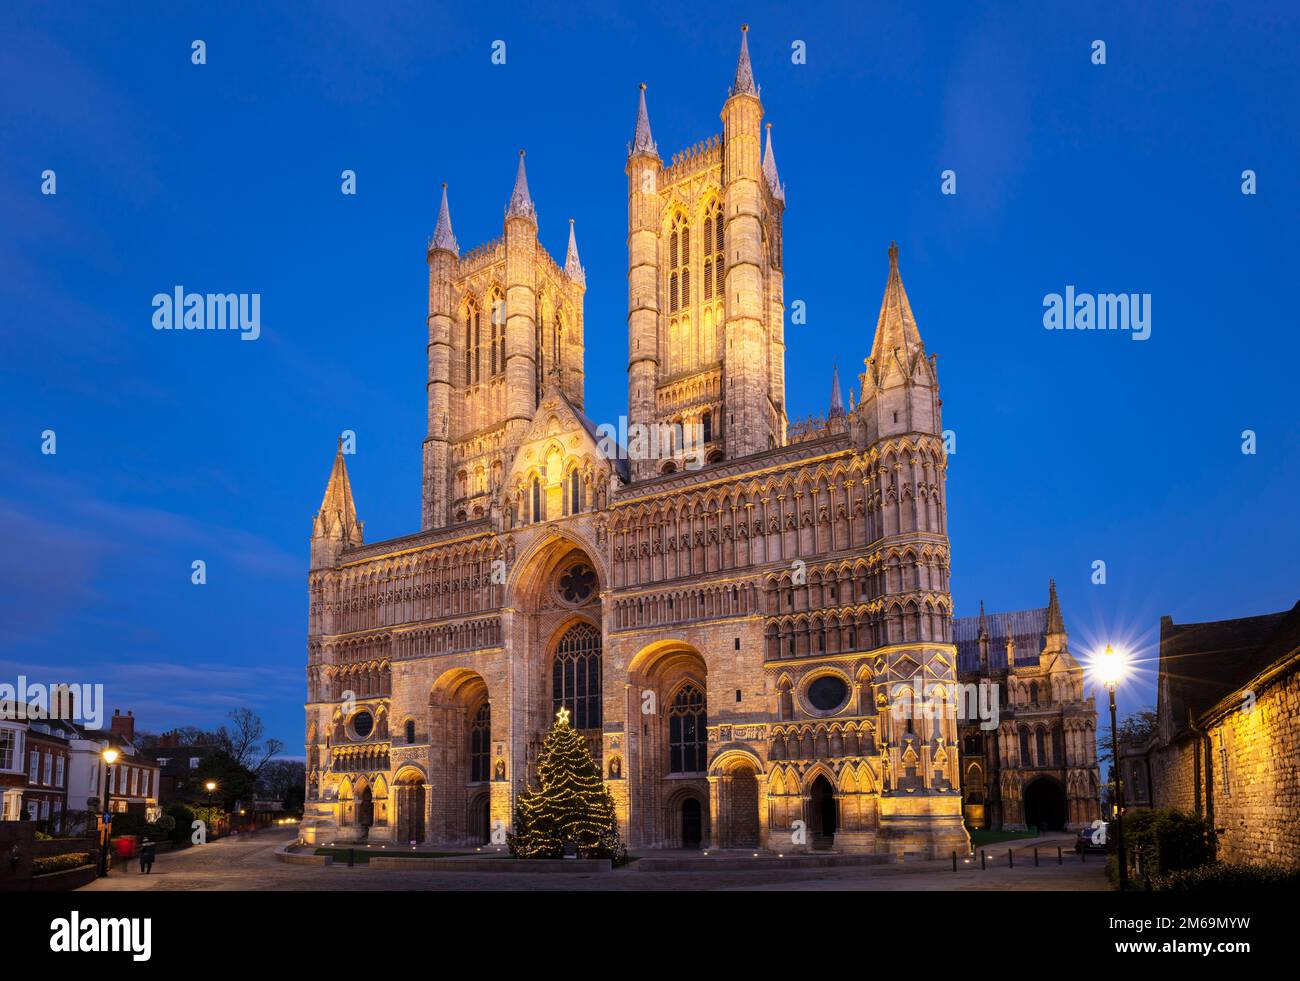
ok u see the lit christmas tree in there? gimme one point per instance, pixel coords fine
(572, 806)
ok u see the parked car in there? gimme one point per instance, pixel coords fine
(1088, 840)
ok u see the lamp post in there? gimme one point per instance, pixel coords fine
(109, 756)
(1111, 668)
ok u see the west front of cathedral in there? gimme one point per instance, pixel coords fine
(739, 623)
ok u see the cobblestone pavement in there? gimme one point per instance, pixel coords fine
(248, 862)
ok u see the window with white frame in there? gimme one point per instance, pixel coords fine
(33, 766)
(59, 770)
(49, 769)
(10, 749)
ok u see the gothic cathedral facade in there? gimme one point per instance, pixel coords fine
(737, 622)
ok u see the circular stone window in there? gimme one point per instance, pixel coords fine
(577, 584)
(362, 724)
(827, 693)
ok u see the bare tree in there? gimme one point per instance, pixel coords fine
(243, 741)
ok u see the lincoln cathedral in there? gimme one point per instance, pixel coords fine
(737, 623)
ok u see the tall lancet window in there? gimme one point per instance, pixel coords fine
(498, 331)
(478, 339)
(469, 345)
(537, 500)
(540, 369)
(679, 259)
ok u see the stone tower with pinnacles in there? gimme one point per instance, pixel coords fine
(734, 624)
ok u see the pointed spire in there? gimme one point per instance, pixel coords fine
(984, 626)
(769, 169)
(642, 141)
(442, 235)
(896, 327)
(521, 202)
(572, 267)
(744, 84)
(837, 403)
(337, 517)
(1055, 622)
(852, 405)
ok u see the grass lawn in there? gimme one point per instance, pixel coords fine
(981, 838)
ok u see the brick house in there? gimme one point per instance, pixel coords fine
(45, 798)
(13, 767)
(133, 781)
(177, 759)
(1227, 733)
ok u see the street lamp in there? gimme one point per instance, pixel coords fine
(1110, 668)
(109, 756)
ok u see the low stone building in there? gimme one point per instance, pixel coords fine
(1227, 733)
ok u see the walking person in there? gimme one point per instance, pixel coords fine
(147, 856)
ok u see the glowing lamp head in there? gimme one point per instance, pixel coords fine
(211, 785)
(110, 755)
(1110, 667)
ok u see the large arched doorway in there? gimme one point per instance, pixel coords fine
(670, 680)
(365, 810)
(408, 791)
(736, 795)
(481, 819)
(692, 823)
(1044, 801)
(460, 723)
(825, 812)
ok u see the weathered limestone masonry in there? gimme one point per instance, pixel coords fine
(1038, 767)
(736, 628)
(1228, 733)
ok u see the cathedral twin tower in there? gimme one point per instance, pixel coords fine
(706, 344)
(773, 594)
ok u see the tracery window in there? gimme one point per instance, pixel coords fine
(687, 732)
(575, 676)
(679, 260)
(473, 335)
(480, 737)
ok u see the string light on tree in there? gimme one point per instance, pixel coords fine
(572, 805)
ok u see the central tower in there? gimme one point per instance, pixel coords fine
(706, 345)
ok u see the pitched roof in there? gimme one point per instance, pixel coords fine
(1027, 627)
(1202, 663)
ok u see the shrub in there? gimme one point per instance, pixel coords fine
(1167, 840)
(182, 819)
(1229, 877)
(59, 863)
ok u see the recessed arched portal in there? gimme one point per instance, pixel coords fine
(734, 783)
(408, 793)
(460, 718)
(1044, 805)
(670, 679)
(692, 823)
(825, 812)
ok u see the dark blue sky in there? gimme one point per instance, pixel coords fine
(225, 177)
